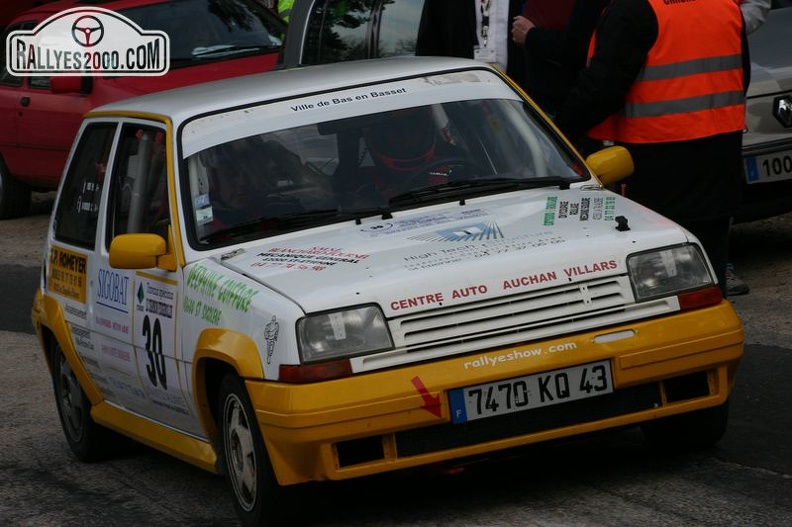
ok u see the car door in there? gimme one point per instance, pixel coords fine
(73, 245)
(136, 309)
(46, 129)
(12, 89)
(39, 125)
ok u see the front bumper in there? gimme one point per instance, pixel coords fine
(400, 418)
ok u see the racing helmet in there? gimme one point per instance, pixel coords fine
(404, 141)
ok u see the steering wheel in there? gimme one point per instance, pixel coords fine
(420, 177)
(276, 203)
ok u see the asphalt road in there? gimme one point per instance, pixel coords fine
(608, 480)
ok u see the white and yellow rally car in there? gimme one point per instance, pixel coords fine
(336, 271)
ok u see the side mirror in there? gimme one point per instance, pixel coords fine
(611, 164)
(67, 84)
(137, 251)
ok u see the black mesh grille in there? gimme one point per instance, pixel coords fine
(360, 451)
(686, 387)
(447, 436)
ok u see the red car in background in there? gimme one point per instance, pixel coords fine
(209, 40)
(10, 8)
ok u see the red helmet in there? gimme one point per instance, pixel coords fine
(404, 140)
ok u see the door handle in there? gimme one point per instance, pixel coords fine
(25, 101)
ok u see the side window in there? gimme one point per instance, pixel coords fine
(6, 79)
(202, 30)
(338, 31)
(398, 28)
(139, 196)
(41, 83)
(78, 205)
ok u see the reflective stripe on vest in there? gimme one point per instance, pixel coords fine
(692, 83)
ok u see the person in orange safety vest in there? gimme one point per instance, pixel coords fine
(667, 80)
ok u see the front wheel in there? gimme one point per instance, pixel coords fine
(258, 498)
(693, 430)
(88, 440)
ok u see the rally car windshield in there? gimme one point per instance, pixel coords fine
(345, 169)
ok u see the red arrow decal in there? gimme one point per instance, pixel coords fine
(431, 403)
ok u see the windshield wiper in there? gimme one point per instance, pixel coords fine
(475, 187)
(359, 214)
(206, 51)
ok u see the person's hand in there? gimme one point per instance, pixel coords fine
(520, 28)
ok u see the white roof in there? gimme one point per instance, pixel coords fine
(182, 103)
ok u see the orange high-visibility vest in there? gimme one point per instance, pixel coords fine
(692, 83)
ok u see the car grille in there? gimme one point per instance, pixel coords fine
(513, 320)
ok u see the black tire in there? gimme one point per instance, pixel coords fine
(258, 498)
(690, 431)
(88, 440)
(14, 195)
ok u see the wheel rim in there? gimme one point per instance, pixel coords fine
(71, 401)
(240, 452)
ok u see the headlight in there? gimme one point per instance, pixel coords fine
(668, 271)
(340, 334)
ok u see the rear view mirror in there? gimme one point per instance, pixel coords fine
(136, 251)
(611, 164)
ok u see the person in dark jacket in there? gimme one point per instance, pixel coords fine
(453, 28)
(676, 103)
(555, 55)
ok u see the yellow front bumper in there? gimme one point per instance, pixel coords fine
(400, 418)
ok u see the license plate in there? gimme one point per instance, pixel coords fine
(531, 391)
(769, 167)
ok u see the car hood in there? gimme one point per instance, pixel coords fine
(443, 255)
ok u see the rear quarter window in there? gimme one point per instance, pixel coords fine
(338, 31)
(398, 29)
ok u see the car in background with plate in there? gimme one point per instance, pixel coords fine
(325, 31)
(342, 270)
(210, 39)
(767, 143)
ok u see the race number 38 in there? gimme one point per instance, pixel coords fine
(155, 330)
(152, 334)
